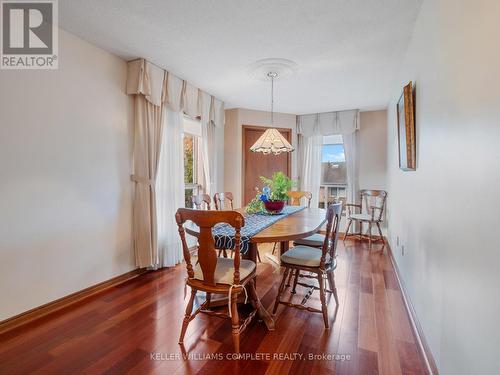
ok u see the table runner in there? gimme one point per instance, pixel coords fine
(254, 223)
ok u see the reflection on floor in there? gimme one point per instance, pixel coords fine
(134, 328)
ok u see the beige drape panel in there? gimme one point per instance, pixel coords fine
(146, 81)
(328, 123)
(147, 145)
(156, 90)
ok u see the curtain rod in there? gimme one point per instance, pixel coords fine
(152, 63)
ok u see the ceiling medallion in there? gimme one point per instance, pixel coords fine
(283, 67)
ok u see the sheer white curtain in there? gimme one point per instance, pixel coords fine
(170, 189)
(310, 169)
(207, 142)
(351, 166)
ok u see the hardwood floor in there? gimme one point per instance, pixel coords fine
(134, 328)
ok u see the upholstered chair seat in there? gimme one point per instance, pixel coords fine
(315, 240)
(304, 256)
(361, 217)
(224, 270)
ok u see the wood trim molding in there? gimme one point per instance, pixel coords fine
(64, 302)
(418, 332)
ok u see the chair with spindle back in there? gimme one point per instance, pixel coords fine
(371, 211)
(200, 199)
(321, 262)
(212, 274)
(221, 198)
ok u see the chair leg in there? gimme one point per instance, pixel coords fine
(187, 316)
(380, 233)
(297, 272)
(322, 296)
(208, 299)
(347, 230)
(235, 322)
(292, 272)
(360, 230)
(258, 256)
(333, 287)
(370, 236)
(223, 253)
(274, 248)
(280, 290)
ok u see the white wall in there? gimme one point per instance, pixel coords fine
(446, 212)
(65, 161)
(372, 150)
(233, 155)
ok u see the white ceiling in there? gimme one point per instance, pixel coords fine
(348, 51)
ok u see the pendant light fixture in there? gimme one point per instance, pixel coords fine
(272, 141)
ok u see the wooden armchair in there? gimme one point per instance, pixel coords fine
(200, 199)
(369, 211)
(217, 275)
(221, 198)
(321, 262)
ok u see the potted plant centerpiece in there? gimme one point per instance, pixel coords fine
(274, 195)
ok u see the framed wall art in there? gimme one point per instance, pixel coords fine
(406, 129)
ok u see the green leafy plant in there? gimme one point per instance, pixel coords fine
(279, 185)
(256, 205)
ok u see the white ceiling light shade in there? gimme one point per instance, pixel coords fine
(272, 141)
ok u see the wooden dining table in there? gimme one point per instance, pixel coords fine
(292, 227)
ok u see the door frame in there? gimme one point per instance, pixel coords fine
(288, 131)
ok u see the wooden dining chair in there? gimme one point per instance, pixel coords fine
(200, 199)
(221, 198)
(212, 274)
(370, 211)
(296, 196)
(318, 262)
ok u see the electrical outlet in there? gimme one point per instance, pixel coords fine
(403, 250)
(397, 240)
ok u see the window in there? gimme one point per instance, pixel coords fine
(333, 170)
(192, 161)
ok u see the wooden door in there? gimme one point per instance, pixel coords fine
(256, 164)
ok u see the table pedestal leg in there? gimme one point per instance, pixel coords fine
(284, 247)
(251, 254)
